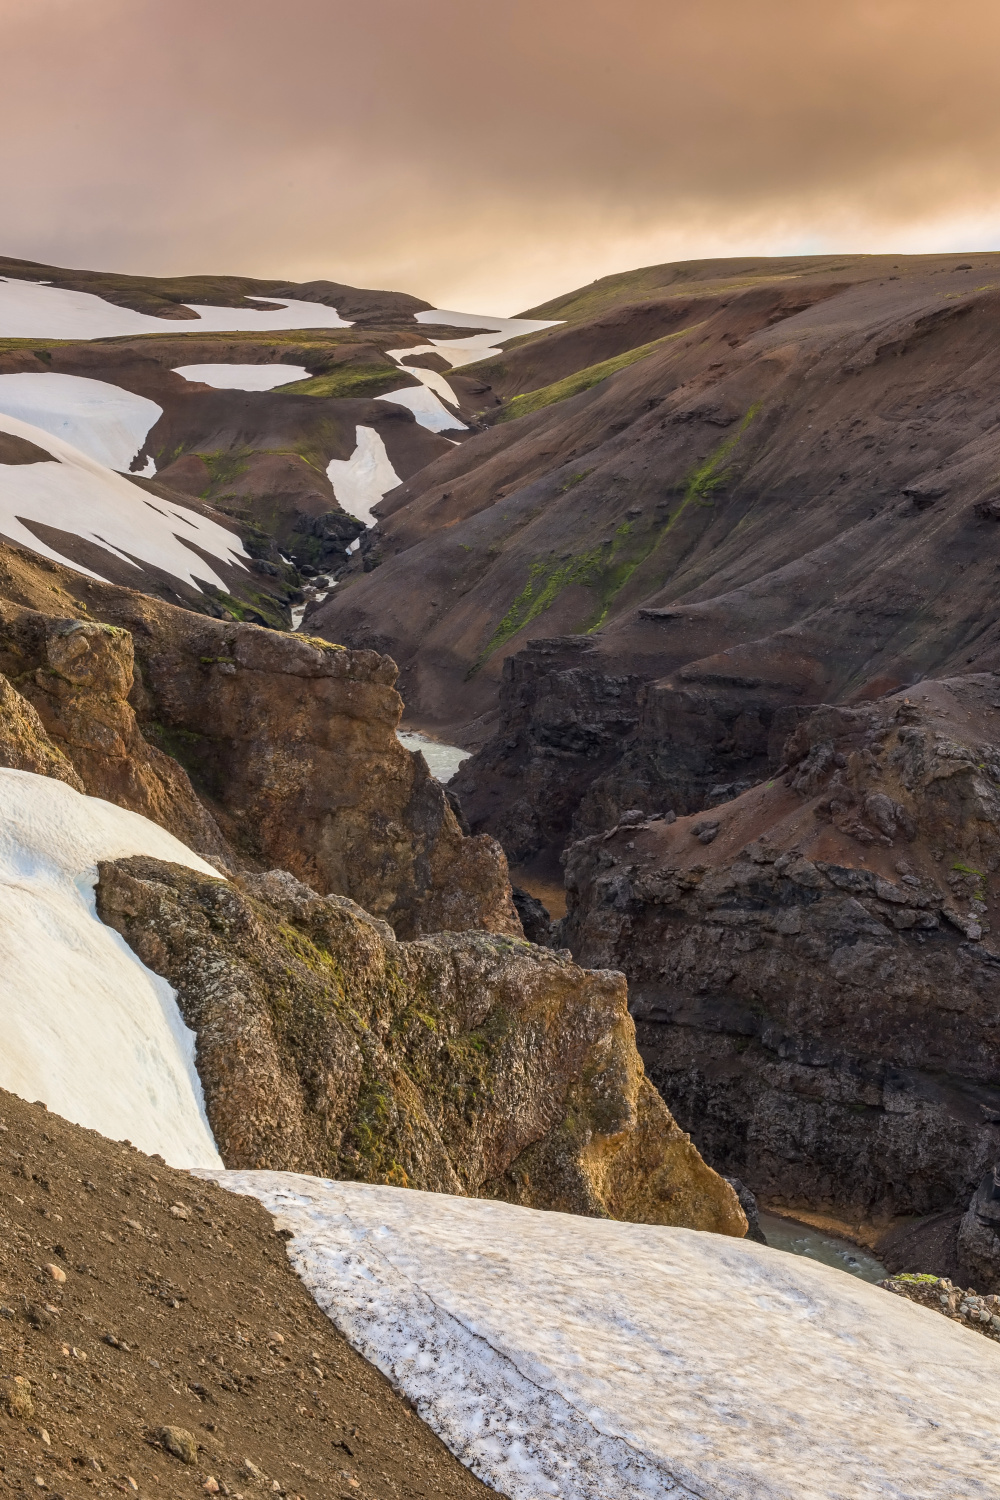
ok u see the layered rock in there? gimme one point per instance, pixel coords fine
(284, 743)
(812, 964)
(472, 1063)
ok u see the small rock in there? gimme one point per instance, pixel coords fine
(178, 1211)
(131, 1484)
(56, 1272)
(276, 1338)
(211, 1485)
(17, 1398)
(181, 1443)
(251, 1470)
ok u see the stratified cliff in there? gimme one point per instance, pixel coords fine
(813, 965)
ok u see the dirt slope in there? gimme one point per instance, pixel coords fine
(175, 1307)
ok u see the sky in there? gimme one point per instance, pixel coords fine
(487, 156)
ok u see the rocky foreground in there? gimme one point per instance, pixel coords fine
(154, 1340)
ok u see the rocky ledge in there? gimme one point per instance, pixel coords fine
(472, 1064)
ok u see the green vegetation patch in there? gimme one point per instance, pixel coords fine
(608, 567)
(582, 380)
(361, 381)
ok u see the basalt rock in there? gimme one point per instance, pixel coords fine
(979, 1233)
(817, 986)
(463, 1063)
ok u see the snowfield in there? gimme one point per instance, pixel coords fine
(359, 482)
(78, 495)
(87, 1028)
(593, 1360)
(104, 421)
(478, 345)
(242, 377)
(32, 310)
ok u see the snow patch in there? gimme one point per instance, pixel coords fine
(242, 377)
(87, 1028)
(104, 421)
(78, 495)
(359, 482)
(425, 403)
(33, 309)
(442, 760)
(594, 1360)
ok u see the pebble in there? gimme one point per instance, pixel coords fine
(56, 1272)
(18, 1398)
(211, 1485)
(178, 1211)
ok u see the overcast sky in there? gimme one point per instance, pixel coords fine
(487, 154)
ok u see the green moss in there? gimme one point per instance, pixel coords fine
(920, 1277)
(608, 567)
(360, 381)
(582, 380)
(224, 468)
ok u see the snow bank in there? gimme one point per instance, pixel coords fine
(479, 345)
(104, 421)
(243, 377)
(80, 496)
(29, 309)
(359, 482)
(592, 1360)
(86, 1027)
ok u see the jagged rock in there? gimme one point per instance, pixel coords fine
(289, 742)
(981, 1314)
(748, 1203)
(535, 919)
(24, 745)
(979, 1232)
(81, 694)
(472, 1063)
(816, 990)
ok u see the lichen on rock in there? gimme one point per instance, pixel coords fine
(470, 1063)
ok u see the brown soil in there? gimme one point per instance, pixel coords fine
(170, 1293)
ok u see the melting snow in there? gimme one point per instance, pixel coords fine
(478, 345)
(594, 1360)
(442, 760)
(32, 309)
(243, 377)
(86, 1027)
(102, 420)
(359, 482)
(424, 402)
(78, 495)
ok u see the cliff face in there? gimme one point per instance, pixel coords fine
(812, 964)
(470, 1063)
(256, 748)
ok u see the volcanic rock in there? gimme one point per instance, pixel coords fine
(464, 1063)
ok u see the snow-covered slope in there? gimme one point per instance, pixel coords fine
(84, 1026)
(593, 1360)
(242, 377)
(104, 421)
(359, 482)
(32, 310)
(78, 495)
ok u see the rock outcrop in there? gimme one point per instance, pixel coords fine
(24, 745)
(979, 1233)
(965, 1306)
(812, 964)
(473, 1063)
(258, 749)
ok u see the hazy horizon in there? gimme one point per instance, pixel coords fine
(486, 160)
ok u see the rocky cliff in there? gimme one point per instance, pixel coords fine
(812, 964)
(472, 1063)
(255, 747)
